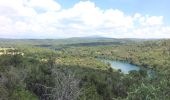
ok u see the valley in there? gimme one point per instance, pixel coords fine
(90, 69)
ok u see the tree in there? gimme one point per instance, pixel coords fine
(16, 60)
(66, 86)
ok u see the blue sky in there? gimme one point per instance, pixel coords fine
(79, 18)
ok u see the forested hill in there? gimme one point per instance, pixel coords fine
(67, 69)
(7, 42)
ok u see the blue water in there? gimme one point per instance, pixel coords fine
(123, 66)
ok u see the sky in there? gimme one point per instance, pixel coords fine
(53, 19)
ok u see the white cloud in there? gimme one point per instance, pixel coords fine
(15, 8)
(151, 32)
(46, 19)
(151, 21)
(116, 18)
(154, 20)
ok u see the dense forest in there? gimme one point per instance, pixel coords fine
(68, 69)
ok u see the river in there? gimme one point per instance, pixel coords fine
(123, 66)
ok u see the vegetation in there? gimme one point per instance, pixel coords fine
(68, 70)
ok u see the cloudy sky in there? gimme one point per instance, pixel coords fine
(79, 18)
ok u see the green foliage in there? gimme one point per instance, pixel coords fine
(22, 94)
(3, 92)
(90, 92)
(32, 76)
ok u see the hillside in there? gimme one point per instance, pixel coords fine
(68, 68)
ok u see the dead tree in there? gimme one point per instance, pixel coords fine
(66, 86)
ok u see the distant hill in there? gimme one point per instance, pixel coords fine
(74, 41)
